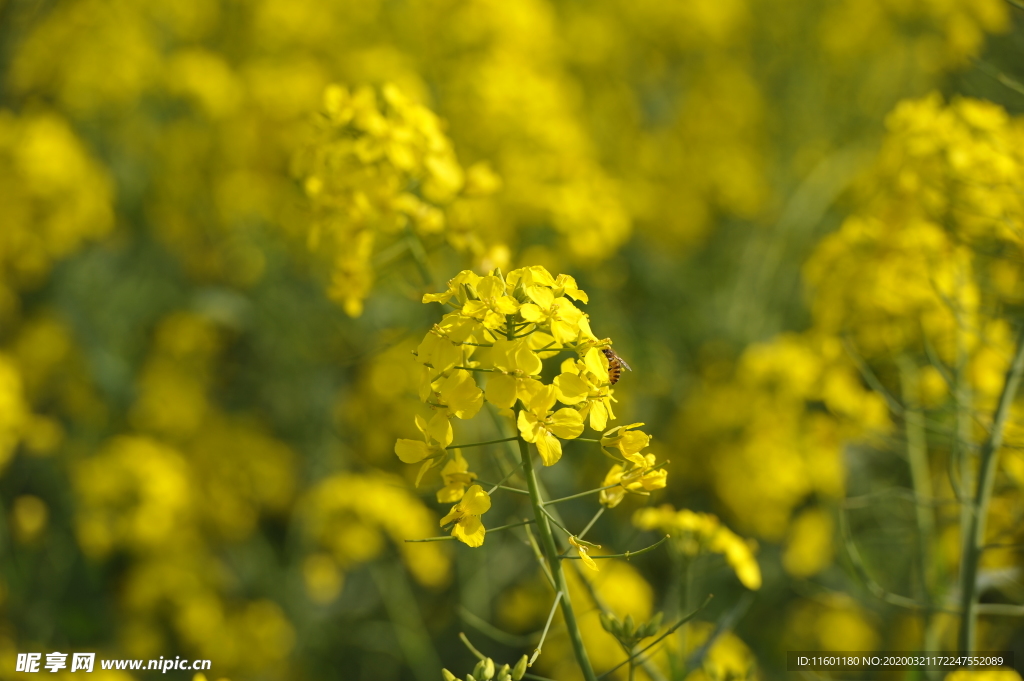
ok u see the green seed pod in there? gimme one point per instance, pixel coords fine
(448, 676)
(519, 669)
(484, 669)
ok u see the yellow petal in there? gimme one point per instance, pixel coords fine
(524, 359)
(440, 429)
(541, 295)
(531, 313)
(450, 494)
(549, 448)
(461, 394)
(453, 515)
(411, 451)
(543, 400)
(571, 388)
(598, 415)
(470, 531)
(506, 305)
(566, 423)
(476, 501)
(565, 331)
(457, 464)
(490, 287)
(584, 554)
(427, 465)
(528, 426)
(501, 390)
(597, 363)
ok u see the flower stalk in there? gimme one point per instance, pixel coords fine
(551, 556)
(974, 542)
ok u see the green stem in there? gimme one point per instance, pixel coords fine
(581, 494)
(547, 626)
(448, 537)
(481, 444)
(413, 638)
(547, 545)
(920, 474)
(627, 555)
(975, 538)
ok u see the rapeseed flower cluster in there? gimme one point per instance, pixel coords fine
(502, 329)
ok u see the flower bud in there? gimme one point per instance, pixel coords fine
(519, 669)
(652, 626)
(484, 669)
(611, 624)
(503, 670)
(628, 627)
(448, 676)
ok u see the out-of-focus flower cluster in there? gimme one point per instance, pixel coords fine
(696, 533)
(380, 169)
(148, 158)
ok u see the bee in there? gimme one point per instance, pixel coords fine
(615, 365)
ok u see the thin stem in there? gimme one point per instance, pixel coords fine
(581, 494)
(557, 524)
(419, 255)
(544, 634)
(472, 649)
(480, 444)
(500, 483)
(661, 638)
(495, 486)
(488, 629)
(547, 544)
(975, 537)
(920, 475)
(593, 520)
(627, 555)
(449, 537)
(539, 555)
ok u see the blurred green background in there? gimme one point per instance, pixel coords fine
(802, 238)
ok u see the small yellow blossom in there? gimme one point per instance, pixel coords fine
(539, 425)
(437, 434)
(584, 548)
(640, 478)
(468, 527)
(630, 442)
(456, 476)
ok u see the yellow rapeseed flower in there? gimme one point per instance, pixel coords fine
(539, 425)
(457, 477)
(468, 528)
(583, 548)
